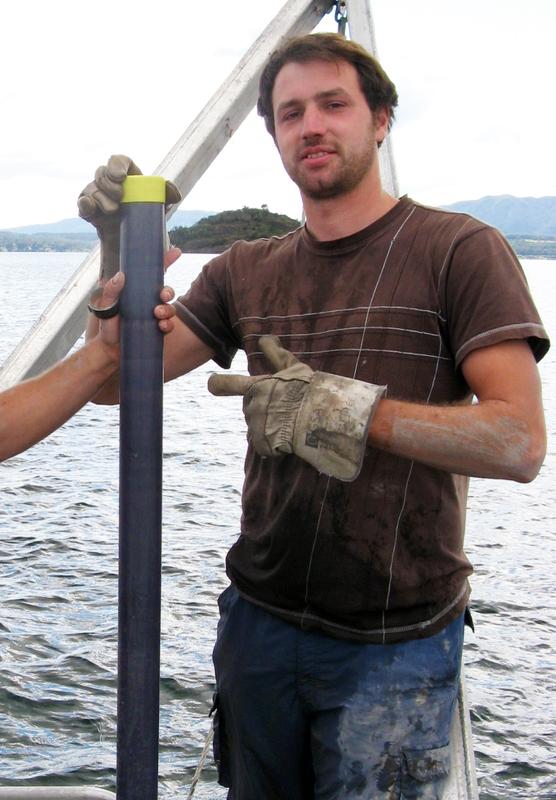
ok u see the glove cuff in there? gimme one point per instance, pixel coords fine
(333, 422)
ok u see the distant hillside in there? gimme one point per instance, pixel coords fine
(518, 216)
(76, 225)
(72, 234)
(216, 233)
(529, 247)
(47, 242)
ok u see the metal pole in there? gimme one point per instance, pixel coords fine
(142, 253)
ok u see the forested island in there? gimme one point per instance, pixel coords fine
(216, 233)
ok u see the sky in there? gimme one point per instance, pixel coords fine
(81, 81)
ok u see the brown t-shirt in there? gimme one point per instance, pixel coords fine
(400, 303)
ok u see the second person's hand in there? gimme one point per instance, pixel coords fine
(109, 326)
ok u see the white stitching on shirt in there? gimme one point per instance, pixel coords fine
(351, 329)
(348, 350)
(332, 312)
(315, 538)
(456, 234)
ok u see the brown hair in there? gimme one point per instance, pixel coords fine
(375, 84)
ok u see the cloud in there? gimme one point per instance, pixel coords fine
(82, 82)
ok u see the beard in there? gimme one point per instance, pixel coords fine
(337, 179)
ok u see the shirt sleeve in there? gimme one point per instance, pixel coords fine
(205, 309)
(486, 298)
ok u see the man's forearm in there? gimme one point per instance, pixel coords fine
(34, 408)
(486, 439)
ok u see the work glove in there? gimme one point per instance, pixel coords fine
(99, 204)
(322, 418)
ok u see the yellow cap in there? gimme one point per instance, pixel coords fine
(144, 189)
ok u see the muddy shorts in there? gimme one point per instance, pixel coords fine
(302, 716)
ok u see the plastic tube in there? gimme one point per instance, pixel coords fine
(141, 378)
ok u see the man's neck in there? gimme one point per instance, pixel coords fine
(337, 217)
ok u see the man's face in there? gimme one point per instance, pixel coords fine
(325, 131)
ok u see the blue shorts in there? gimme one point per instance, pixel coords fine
(302, 716)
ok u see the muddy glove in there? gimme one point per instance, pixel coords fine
(99, 204)
(322, 418)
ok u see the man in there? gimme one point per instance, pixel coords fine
(34, 408)
(340, 637)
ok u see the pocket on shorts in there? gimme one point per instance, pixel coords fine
(422, 767)
(220, 744)
(225, 598)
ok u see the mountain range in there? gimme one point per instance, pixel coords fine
(533, 217)
(75, 225)
(517, 216)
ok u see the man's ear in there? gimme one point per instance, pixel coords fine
(382, 124)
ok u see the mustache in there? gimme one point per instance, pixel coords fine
(313, 141)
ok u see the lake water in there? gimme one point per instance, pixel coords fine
(58, 580)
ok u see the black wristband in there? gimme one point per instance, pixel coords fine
(105, 313)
